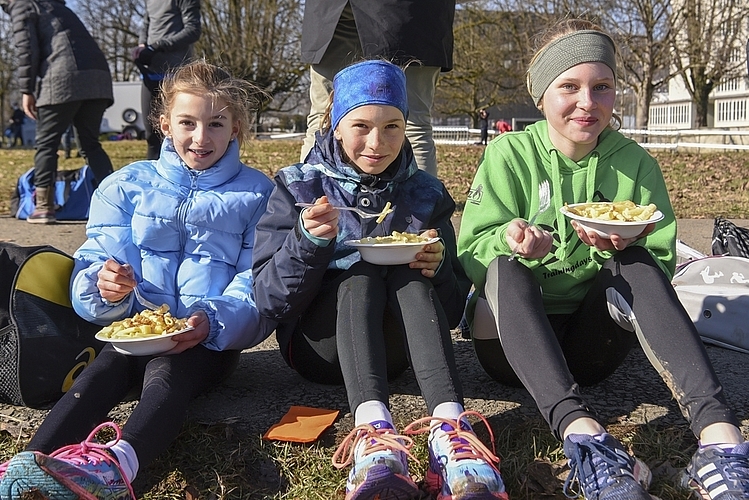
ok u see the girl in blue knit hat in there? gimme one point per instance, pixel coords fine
(344, 320)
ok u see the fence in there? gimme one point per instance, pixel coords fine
(711, 139)
(699, 139)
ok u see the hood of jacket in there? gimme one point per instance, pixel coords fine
(414, 195)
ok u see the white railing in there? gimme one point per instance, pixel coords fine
(453, 135)
(713, 139)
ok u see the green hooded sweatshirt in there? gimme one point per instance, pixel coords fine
(506, 188)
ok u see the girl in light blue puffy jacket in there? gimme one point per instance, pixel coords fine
(181, 229)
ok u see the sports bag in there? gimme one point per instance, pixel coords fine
(73, 191)
(730, 239)
(715, 293)
(44, 344)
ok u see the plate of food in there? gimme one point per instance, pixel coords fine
(395, 249)
(625, 218)
(146, 333)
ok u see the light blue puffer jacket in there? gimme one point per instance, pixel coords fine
(189, 236)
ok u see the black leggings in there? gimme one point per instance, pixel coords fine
(168, 385)
(353, 332)
(551, 355)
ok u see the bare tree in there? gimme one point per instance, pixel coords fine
(489, 61)
(115, 24)
(709, 47)
(258, 40)
(642, 31)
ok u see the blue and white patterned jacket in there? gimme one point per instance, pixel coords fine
(289, 268)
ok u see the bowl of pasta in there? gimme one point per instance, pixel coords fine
(144, 334)
(624, 218)
(396, 249)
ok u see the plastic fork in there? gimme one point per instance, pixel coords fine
(544, 200)
(140, 298)
(358, 211)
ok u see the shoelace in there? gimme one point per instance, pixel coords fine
(736, 468)
(91, 452)
(376, 440)
(604, 465)
(464, 444)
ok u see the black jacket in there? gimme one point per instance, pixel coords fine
(58, 59)
(399, 30)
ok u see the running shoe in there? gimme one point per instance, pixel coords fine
(380, 467)
(715, 473)
(87, 471)
(461, 467)
(603, 469)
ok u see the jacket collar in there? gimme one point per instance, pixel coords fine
(171, 166)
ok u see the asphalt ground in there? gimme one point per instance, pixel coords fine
(263, 388)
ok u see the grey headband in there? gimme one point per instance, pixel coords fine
(565, 52)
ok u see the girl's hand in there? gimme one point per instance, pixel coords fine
(321, 220)
(200, 331)
(428, 260)
(530, 242)
(115, 281)
(616, 242)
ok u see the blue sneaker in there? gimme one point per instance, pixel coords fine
(460, 466)
(603, 469)
(87, 471)
(715, 473)
(380, 469)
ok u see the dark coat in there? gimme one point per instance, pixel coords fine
(399, 30)
(170, 28)
(58, 59)
(289, 268)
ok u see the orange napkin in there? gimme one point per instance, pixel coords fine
(302, 424)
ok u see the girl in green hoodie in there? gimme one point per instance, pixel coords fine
(572, 304)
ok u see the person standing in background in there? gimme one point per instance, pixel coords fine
(416, 34)
(166, 40)
(484, 126)
(64, 78)
(16, 126)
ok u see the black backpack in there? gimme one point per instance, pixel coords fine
(44, 344)
(730, 239)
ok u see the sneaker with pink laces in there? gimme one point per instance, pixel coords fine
(380, 467)
(461, 467)
(85, 471)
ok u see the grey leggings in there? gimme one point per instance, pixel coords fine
(631, 300)
(365, 325)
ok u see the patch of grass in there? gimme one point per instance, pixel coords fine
(701, 185)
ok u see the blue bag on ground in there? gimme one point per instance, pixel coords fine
(73, 191)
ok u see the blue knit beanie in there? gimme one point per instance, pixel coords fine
(368, 82)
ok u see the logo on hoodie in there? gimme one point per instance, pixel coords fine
(475, 194)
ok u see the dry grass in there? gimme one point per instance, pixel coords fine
(702, 185)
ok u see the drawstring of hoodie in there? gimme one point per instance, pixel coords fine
(558, 199)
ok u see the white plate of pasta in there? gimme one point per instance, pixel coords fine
(395, 249)
(144, 334)
(624, 218)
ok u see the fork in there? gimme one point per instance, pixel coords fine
(140, 298)
(544, 200)
(358, 211)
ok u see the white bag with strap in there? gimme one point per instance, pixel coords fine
(715, 293)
